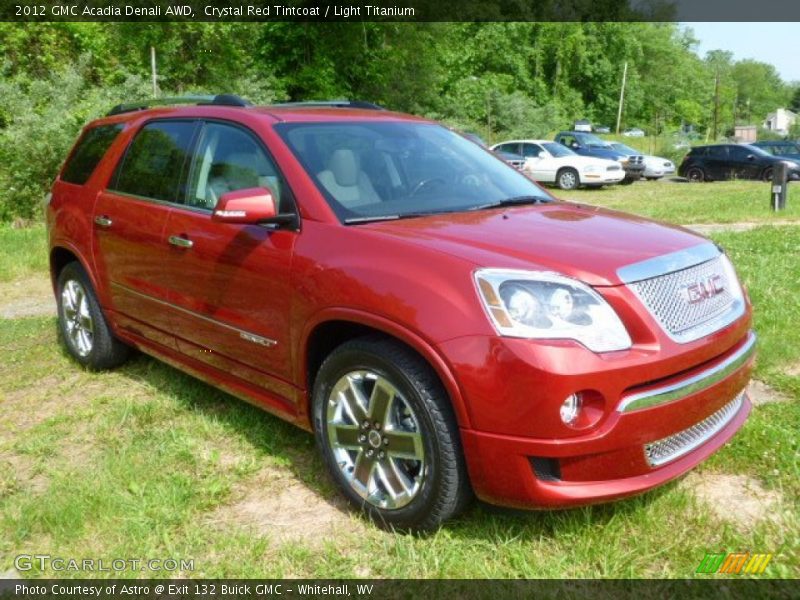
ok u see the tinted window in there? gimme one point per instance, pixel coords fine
(512, 148)
(229, 159)
(155, 160)
(717, 152)
(740, 153)
(90, 149)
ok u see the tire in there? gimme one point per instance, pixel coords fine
(83, 327)
(627, 181)
(695, 174)
(420, 483)
(568, 179)
(652, 178)
(767, 174)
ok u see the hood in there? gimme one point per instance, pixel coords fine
(586, 243)
(607, 153)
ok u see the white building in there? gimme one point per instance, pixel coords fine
(780, 121)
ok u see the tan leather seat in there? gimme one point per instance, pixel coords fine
(346, 182)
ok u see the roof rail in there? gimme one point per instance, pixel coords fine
(330, 104)
(218, 100)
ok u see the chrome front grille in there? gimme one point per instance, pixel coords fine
(692, 302)
(616, 167)
(673, 447)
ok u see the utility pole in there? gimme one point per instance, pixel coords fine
(153, 70)
(716, 106)
(622, 95)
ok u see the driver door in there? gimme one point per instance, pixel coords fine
(232, 283)
(541, 168)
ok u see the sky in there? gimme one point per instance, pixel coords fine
(773, 43)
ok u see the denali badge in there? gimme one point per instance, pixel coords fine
(703, 289)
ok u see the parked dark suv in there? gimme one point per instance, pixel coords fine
(732, 161)
(587, 144)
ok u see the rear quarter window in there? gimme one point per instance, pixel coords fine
(154, 164)
(90, 149)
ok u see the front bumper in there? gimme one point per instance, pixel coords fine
(555, 466)
(602, 177)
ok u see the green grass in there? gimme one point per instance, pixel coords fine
(686, 203)
(22, 252)
(146, 462)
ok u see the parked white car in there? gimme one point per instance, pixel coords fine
(655, 167)
(550, 162)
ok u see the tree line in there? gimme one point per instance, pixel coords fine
(497, 79)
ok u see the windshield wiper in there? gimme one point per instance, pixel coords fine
(514, 201)
(374, 218)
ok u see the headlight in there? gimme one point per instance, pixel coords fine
(590, 169)
(541, 305)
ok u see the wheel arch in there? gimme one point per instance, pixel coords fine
(63, 254)
(333, 328)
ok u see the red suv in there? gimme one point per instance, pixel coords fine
(442, 324)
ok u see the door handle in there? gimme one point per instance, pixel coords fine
(103, 221)
(180, 241)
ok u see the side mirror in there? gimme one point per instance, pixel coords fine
(247, 206)
(751, 157)
(542, 155)
(575, 145)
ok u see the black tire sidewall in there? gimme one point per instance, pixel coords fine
(337, 365)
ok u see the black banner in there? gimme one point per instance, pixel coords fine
(400, 10)
(212, 589)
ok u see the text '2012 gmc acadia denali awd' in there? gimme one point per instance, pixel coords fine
(442, 324)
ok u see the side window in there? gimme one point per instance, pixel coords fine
(512, 148)
(229, 159)
(739, 153)
(155, 160)
(92, 146)
(718, 152)
(531, 150)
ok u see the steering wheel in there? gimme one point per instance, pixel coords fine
(426, 183)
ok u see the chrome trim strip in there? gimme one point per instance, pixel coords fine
(681, 443)
(245, 335)
(668, 263)
(697, 383)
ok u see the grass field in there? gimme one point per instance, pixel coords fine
(146, 462)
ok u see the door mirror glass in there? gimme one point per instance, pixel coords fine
(542, 154)
(250, 205)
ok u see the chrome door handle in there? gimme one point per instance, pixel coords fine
(180, 241)
(103, 221)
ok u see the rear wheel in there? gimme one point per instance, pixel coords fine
(386, 431)
(83, 326)
(568, 179)
(695, 174)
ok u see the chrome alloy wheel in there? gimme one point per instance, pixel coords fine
(78, 323)
(568, 180)
(376, 439)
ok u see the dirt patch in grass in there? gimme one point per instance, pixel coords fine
(736, 499)
(760, 393)
(794, 369)
(276, 504)
(30, 297)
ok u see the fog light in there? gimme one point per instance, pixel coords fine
(570, 408)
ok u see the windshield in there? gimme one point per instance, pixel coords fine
(592, 140)
(782, 149)
(381, 169)
(557, 150)
(624, 148)
(756, 150)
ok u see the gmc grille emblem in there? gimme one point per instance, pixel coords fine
(703, 289)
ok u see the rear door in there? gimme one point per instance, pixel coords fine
(231, 285)
(717, 165)
(129, 219)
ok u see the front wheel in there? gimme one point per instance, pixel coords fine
(568, 179)
(767, 174)
(388, 436)
(695, 174)
(83, 326)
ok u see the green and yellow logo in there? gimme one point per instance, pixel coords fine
(734, 563)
